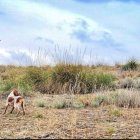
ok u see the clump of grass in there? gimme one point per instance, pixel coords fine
(84, 100)
(130, 65)
(78, 104)
(95, 104)
(129, 83)
(39, 116)
(126, 83)
(115, 112)
(105, 99)
(128, 98)
(101, 99)
(59, 103)
(40, 103)
(110, 130)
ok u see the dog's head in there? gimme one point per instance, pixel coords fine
(15, 92)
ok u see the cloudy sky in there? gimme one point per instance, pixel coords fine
(87, 31)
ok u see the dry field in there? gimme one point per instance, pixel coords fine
(89, 122)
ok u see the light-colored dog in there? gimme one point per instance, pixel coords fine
(16, 101)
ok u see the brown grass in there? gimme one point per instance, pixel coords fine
(42, 122)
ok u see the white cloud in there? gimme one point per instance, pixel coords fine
(26, 21)
(4, 53)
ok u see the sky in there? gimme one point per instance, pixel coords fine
(46, 32)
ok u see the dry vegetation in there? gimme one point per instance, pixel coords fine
(46, 117)
(73, 101)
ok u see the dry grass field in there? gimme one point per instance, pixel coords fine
(41, 121)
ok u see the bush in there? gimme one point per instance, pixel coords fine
(130, 65)
(104, 80)
(7, 85)
(100, 99)
(129, 83)
(35, 78)
(126, 83)
(128, 99)
(33, 75)
(95, 81)
(65, 73)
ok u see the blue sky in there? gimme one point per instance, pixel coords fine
(89, 31)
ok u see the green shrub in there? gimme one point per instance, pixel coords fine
(94, 81)
(65, 73)
(7, 85)
(104, 80)
(35, 78)
(22, 85)
(89, 79)
(33, 75)
(130, 65)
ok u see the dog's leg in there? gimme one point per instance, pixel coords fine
(23, 111)
(12, 109)
(23, 108)
(6, 108)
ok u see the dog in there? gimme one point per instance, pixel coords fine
(15, 100)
